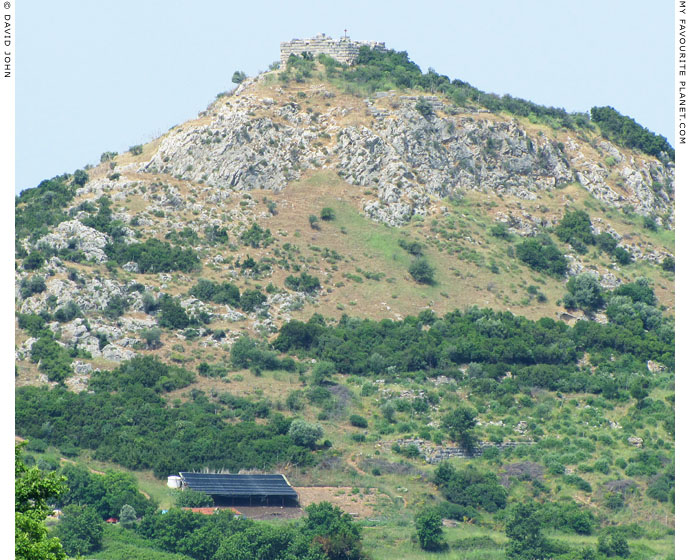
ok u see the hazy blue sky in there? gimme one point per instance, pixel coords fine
(102, 76)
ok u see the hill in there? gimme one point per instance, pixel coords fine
(381, 252)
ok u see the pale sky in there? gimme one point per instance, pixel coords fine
(102, 76)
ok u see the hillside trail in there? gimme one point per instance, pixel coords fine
(351, 462)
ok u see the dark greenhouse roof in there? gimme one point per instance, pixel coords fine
(239, 485)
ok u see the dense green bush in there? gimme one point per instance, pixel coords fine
(37, 210)
(305, 433)
(575, 226)
(358, 421)
(460, 424)
(542, 353)
(207, 290)
(172, 315)
(422, 271)
(193, 499)
(250, 300)
(626, 132)
(541, 254)
(33, 261)
(584, 292)
(154, 256)
(327, 214)
(136, 150)
(106, 493)
(303, 283)
(413, 247)
(32, 285)
(470, 487)
(256, 236)
(429, 526)
(53, 359)
(612, 542)
(80, 530)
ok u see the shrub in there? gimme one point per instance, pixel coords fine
(460, 425)
(116, 307)
(429, 526)
(80, 177)
(80, 530)
(612, 542)
(256, 236)
(622, 256)
(314, 221)
(584, 292)
(172, 315)
(448, 510)
(421, 271)
(303, 283)
(413, 247)
(542, 254)
(250, 300)
(575, 226)
(238, 77)
(424, 107)
(322, 371)
(358, 421)
(31, 286)
(136, 150)
(669, 264)
(206, 290)
(304, 433)
(154, 256)
(500, 230)
(625, 131)
(67, 313)
(152, 337)
(34, 261)
(606, 242)
(327, 214)
(470, 487)
(193, 498)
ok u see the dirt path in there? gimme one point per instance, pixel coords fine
(71, 462)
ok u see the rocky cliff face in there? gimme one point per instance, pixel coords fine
(247, 142)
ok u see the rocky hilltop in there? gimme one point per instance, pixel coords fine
(273, 153)
(411, 159)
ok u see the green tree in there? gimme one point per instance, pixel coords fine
(612, 542)
(304, 433)
(639, 390)
(80, 530)
(460, 425)
(152, 337)
(193, 498)
(421, 271)
(80, 177)
(33, 491)
(429, 527)
(238, 77)
(34, 261)
(584, 292)
(333, 531)
(523, 529)
(128, 516)
(575, 226)
(327, 214)
(322, 371)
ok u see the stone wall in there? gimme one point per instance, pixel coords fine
(343, 50)
(435, 454)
